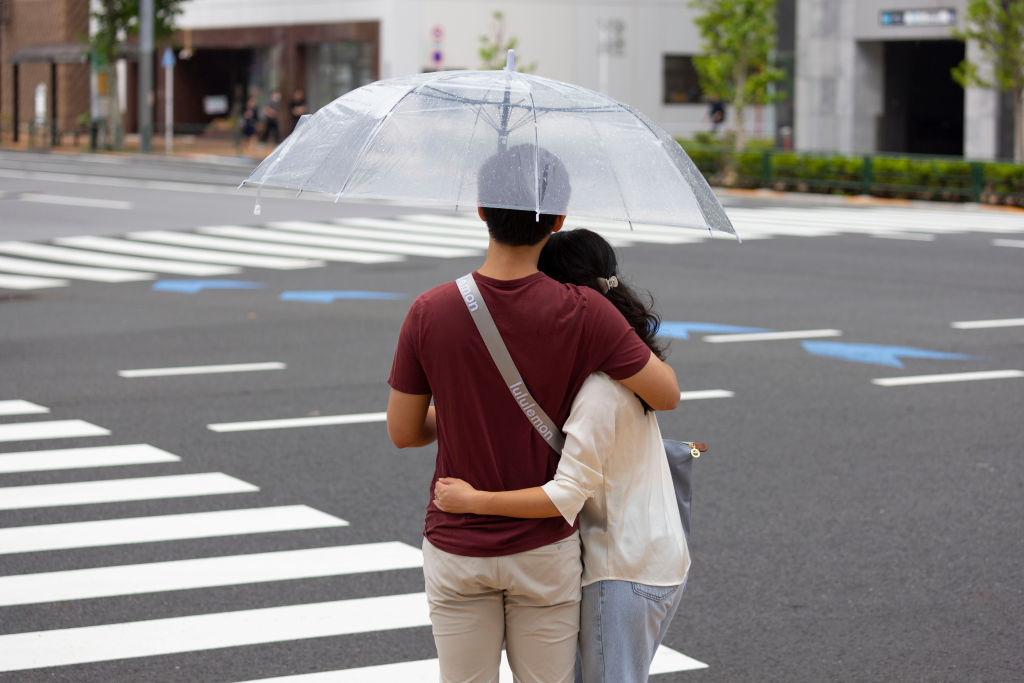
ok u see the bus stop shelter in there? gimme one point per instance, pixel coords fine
(64, 53)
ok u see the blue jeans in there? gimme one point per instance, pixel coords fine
(621, 626)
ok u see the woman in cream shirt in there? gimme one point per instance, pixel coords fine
(614, 475)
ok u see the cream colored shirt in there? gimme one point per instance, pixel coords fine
(614, 474)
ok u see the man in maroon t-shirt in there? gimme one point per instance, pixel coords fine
(495, 579)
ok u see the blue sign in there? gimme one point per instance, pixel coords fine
(326, 297)
(682, 330)
(167, 61)
(875, 354)
(194, 286)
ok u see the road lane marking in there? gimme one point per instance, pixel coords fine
(29, 282)
(666, 660)
(86, 202)
(60, 647)
(980, 324)
(23, 267)
(120, 490)
(107, 532)
(770, 336)
(391, 229)
(206, 241)
(951, 377)
(372, 245)
(914, 237)
(77, 458)
(290, 423)
(187, 253)
(1009, 243)
(51, 429)
(202, 369)
(92, 258)
(208, 572)
(707, 393)
(20, 407)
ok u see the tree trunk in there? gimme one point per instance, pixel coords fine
(1018, 125)
(114, 123)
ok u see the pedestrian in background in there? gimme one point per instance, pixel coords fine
(298, 106)
(249, 120)
(271, 118)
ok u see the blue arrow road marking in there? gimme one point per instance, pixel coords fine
(682, 330)
(193, 286)
(326, 297)
(876, 354)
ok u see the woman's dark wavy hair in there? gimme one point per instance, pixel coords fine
(580, 257)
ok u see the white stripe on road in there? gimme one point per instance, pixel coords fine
(19, 407)
(119, 490)
(186, 254)
(87, 202)
(77, 458)
(23, 267)
(1009, 243)
(370, 245)
(666, 660)
(101, 582)
(290, 423)
(707, 393)
(29, 282)
(980, 324)
(205, 241)
(202, 369)
(91, 258)
(60, 647)
(51, 429)
(390, 229)
(951, 377)
(914, 237)
(30, 539)
(770, 336)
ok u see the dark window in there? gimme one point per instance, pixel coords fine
(681, 83)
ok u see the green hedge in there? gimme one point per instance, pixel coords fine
(907, 177)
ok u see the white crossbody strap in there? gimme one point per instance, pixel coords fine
(499, 353)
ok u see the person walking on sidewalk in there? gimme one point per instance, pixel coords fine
(492, 579)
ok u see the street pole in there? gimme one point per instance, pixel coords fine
(145, 76)
(168, 64)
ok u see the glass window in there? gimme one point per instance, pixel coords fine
(680, 78)
(332, 69)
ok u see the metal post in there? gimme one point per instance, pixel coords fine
(54, 133)
(977, 180)
(14, 118)
(766, 168)
(867, 176)
(168, 64)
(145, 76)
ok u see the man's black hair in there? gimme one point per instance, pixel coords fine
(510, 178)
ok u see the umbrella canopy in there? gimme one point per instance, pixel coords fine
(462, 139)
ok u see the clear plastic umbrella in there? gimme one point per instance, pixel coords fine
(462, 139)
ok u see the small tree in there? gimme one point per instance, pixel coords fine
(115, 21)
(494, 47)
(997, 27)
(738, 42)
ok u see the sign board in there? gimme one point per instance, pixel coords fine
(915, 18)
(437, 56)
(167, 60)
(215, 105)
(437, 32)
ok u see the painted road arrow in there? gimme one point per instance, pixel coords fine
(876, 354)
(326, 297)
(682, 330)
(193, 286)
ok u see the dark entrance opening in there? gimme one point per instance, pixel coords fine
(213, 84)
(924, 106)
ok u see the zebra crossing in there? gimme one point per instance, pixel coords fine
(215, 250)
(174, 634)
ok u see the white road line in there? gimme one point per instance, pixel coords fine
(19, 407)
(101, 582)
(290, 423)
(770, 336)
(904, 236)
(666, 660)
(292, 237)
(1009, 243)
(87, 202)
(980, 324)
(77, 458)
(29, 282)
(59, 647)
(30, 539)
(205, 241)
(394, 230)
(951, 377)
(707, 393)
(202, 369)
(92, 258)
(186, 254)
(51, 429)
(119, 490)
(23, 267)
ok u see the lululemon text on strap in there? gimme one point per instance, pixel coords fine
(503, 360)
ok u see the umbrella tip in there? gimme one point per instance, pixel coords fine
(510, 61)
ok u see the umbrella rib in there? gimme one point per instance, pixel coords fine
(618, 183)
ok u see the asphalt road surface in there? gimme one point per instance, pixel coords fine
(857, 370)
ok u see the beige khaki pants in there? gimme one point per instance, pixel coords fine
(529, 600)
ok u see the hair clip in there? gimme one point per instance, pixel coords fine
(608, 283)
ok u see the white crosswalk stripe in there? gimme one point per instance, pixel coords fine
(221, 249)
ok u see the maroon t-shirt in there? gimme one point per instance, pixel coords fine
(557, 335)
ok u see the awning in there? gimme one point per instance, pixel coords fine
(63, 53)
